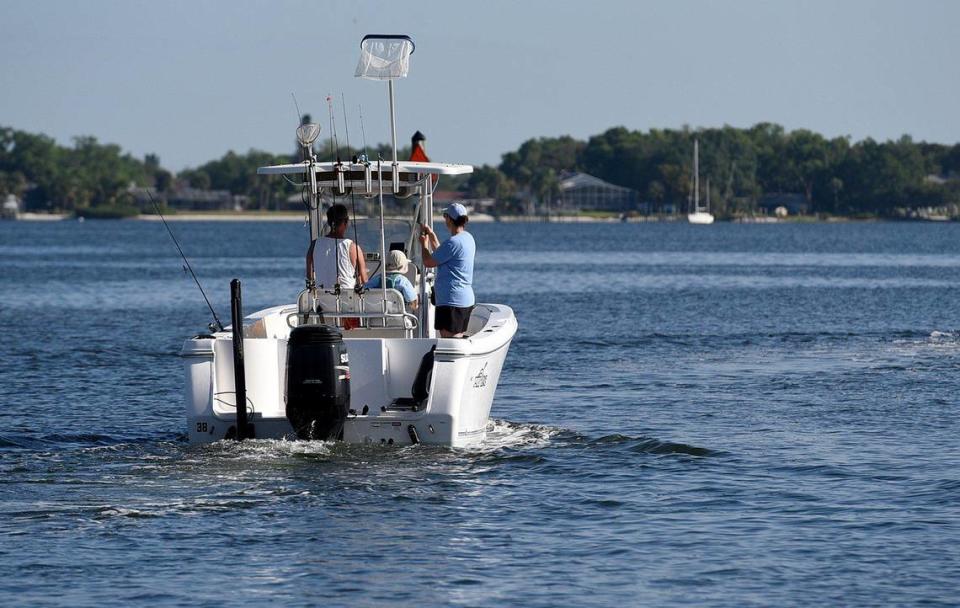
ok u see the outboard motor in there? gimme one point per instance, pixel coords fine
(318, 382)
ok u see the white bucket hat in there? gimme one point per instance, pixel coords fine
(397, 261)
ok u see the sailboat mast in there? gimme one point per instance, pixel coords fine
(696, 176)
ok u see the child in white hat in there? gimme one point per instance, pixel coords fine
(396, 268)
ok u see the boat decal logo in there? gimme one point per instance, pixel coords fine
(480, 380)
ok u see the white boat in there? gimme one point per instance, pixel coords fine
(698, 216)
(391, 380)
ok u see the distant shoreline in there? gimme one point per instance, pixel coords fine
(296, 216)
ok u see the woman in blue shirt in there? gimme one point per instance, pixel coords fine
(454, 263)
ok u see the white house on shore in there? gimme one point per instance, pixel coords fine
(11, 208)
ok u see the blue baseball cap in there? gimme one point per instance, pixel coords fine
(455, 211)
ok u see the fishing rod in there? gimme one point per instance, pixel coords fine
(334, 145)
(334, 142)
(363, 133)
(297, 106)
(358, 284)
(216, 324)
(307, 152)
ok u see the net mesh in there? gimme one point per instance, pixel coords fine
(308, 133)
(384, 58)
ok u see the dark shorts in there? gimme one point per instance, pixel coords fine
(452, 318)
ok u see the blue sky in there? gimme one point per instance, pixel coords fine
(189, 80)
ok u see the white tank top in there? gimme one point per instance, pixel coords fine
(331, 260)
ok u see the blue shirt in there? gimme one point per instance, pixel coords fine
(397, 281)
(455, 271)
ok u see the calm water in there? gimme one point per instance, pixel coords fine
(714, 416)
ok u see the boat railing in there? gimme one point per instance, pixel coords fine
(373, 310)
(410, 321)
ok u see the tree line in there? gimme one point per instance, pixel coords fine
(51, 177)
(835, 176)
(90, 176)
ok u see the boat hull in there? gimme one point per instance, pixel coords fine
(460, 389)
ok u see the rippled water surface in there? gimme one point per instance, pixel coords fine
(725, 415)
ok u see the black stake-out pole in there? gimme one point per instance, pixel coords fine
(239, 376)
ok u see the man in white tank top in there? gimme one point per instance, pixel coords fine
(337, 259)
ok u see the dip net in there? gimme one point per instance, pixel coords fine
(384, 58)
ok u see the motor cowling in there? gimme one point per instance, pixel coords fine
(318, 382)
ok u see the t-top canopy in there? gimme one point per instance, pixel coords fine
(384, 56)
(404, 166)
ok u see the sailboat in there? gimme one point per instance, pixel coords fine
(699, 216)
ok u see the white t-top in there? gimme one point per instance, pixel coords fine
(331, 260)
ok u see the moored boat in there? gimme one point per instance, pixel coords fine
(698, 215)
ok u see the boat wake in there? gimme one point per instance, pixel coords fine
(648, 445)
(50, 442)
(503, 434)
(504, 439)
(936, 340)
(266, 449)
(506, 435)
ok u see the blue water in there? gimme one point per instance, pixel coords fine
(730, 415)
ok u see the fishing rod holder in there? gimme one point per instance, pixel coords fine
(361, 178)
(340, 188)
